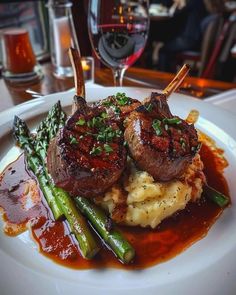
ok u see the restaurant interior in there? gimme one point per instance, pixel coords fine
(201, 33)
(117, 147)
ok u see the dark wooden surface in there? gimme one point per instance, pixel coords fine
(11, 95)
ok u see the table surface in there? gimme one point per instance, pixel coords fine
(11, 95)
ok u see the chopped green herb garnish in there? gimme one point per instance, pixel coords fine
(148, 107)
(125, 143)
(118, 133)
(101, 137)
(122, 99)
(104, 115)
(156, 124)
(96, 122)
(73, 140)
(117, 110)
(108, 149)
(80, 122)
(89, 124)
(172, 121)
(107, 103)
(108, 134)
(96, 151)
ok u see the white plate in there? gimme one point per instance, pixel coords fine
(208, 267)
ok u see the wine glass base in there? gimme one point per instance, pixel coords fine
(63, 72)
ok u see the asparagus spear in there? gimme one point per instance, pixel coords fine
(108, 233)
(22, 135)
(47, 130)
(217, 197)
(79, 227)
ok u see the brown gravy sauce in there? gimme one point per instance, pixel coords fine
(20, 200)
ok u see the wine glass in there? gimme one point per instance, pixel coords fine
(118, 31)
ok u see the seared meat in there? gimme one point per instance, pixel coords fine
(88, 155)
(160, 143)
(118, 107)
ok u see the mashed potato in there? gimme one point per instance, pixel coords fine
(140, 201)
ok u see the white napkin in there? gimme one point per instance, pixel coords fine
(225, 100)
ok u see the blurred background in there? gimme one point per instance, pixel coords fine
(199, 32)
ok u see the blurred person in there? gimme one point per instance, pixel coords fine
(186, 34)
(164, 29)
(198, 13)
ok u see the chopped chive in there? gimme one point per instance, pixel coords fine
(148, 107)
(89, 124)
(118, 133)
(107, 103)
(117, 110)
(215, 196)
(73, 140)
(96, 151)
(80, 122)
(104, 115)
(101, 137)
(156, 124)
(108, 149)
(95, 122)
(109, 136)
(122, 99)
(170, 121)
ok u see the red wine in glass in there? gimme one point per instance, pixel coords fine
(118, 32)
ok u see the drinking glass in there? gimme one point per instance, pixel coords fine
(18, 58)
(118, 31)
(62, 36)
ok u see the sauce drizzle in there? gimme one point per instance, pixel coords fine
(22, 204)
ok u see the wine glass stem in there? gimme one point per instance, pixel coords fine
(118, 75)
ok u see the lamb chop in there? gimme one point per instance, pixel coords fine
(118, 107)
(159, 142)
(88, 154)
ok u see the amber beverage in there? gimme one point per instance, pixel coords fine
(19, 62)
(18, 55)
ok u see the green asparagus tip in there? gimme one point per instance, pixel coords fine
(129, 256)
(220, 199)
